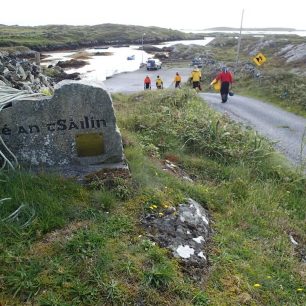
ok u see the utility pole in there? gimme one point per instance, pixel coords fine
(37, 58)
(142, 47)
(239, 40)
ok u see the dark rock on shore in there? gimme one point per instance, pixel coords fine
(73, 63)
(66, 76)
(103, 53)
(149, 48)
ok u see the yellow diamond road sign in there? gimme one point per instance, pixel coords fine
(259, 59)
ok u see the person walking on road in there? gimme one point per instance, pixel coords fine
(226, 79)
(177, 80)
(196, 78)
(159, 83)
(147, 83)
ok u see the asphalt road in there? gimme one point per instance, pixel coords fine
(277, 125)
(284, 128)
(133, 81)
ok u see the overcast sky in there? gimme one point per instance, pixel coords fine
(175, 14)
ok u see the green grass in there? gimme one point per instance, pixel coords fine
(86, 246)
(247, 187)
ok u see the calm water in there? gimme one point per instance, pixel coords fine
(102, 67)
(298, 32)
(202, 42)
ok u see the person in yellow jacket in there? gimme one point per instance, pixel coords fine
(177, 80)
(159, 83)
(196, 78)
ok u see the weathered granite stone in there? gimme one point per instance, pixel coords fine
(185, 231)
(76, 126)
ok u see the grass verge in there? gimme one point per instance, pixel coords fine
(72, 245)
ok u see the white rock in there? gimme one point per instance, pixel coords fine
(202, 255)
(185, 251)
(198, 239)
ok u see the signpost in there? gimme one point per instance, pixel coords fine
(239, 40)
(259, 59)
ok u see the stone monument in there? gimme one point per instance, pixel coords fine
(74, 127)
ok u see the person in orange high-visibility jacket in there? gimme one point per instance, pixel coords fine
(177, 80)
(147, 83)
(196, 78)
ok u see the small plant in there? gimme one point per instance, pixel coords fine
(113, 292)
(23, 280)
(129, 268)
(122, 188)
(85, 244)
(147, 244)
(82, 293)
(159, 276)
(52, 299)
(103, 199)
(200, 299)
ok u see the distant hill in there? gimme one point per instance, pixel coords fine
(249, 29)
(56, 37)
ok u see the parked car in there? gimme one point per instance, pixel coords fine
(197, 62)
(153, 64)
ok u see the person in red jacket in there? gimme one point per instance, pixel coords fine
(226, 79)
(147, 83)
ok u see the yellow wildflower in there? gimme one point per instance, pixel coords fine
(257, 285)
(299, 289)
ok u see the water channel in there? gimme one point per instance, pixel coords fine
(100, 67)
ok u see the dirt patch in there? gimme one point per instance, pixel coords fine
(108, 175)
(60, 236)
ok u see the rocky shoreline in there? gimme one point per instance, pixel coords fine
(19, 70)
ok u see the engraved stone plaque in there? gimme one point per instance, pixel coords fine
(77, 125)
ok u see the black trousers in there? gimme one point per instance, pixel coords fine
(224, 88)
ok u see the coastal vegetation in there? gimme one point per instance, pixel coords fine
(85, 245)
(56, 37)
